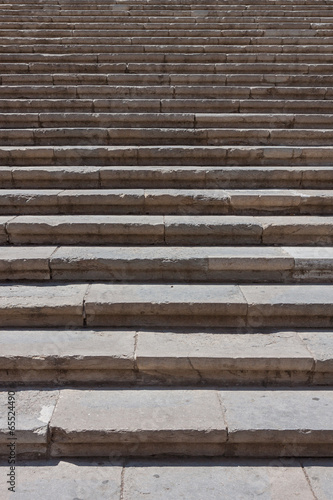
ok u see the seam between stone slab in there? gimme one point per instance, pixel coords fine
(84, 312)
(5, 226)
(314, 359)
(48, 431)
(308, 480)
(49, 260)
(135, 347)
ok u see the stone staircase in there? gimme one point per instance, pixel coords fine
(166, 259)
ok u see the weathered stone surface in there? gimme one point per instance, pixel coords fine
(221, 351)
(207, 305)
(213, 230)
(133, 420)
(76, 229)
(289, 422)
(42, 305)
(297, 305)
(25, 263)
(66, 349)
(47, 479)
(215, 479)
(320, 345)
(320, 476)
(33, 411)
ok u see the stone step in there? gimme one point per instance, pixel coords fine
(167, 68)
(101, 422)
(166, 155)
(198, 34)
(168, 230)
(186, 177)
(149, 136)
(166, 201)
(150, 16)
(172, 478)
(179, 264)
(201, 121)
(130, 79)
(156, 58)
(168, 358)
(165, 92)
(166, 305)
(168, 11)
(213, 52)
(143, 105)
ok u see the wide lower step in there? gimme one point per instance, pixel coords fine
(166, 155)
(190, 230)
(165, 357)
(166, 305)
(200, 478)
(166, 202)
(179, 264)
(151, 177)
(143, 422)
(165, 136)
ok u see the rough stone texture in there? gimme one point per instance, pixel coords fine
(33, 411)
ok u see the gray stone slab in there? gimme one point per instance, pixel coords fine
(93, 229)
(136, 420)
(320, 345)
(25, 262)
(42, 305)
(33, 411)
(300, 230)
(214, 479)
(221, 351)
(320, 476)
(108, 304)
(3, 231)
(298, 305)
(293, 421)
(66, 349)
(59, 177)
(249, 258)
(213, 230)
(50, 479)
